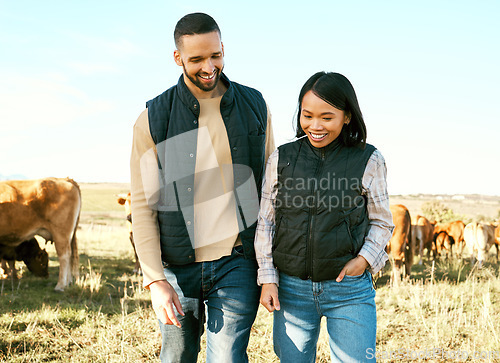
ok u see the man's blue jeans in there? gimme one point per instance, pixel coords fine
(229, 289)
(349, 308)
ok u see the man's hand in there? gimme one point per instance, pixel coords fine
(269, 297)
(354, 267)
(163, 299)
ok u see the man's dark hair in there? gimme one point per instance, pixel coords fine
(335, 89)
(195, 23)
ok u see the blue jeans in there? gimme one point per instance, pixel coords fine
(349, 308)
(229, 289)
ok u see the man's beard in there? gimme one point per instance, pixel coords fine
(199, 84)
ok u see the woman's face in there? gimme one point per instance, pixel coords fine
(321, 122)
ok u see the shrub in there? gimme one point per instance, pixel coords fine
(436, 211)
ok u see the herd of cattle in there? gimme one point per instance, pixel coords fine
(412, 236)
(50, 208)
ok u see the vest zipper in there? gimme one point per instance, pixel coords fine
(351, 240)
(312, 213)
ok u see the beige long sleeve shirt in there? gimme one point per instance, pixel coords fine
(216, 226)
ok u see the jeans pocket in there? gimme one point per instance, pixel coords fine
(355, 276)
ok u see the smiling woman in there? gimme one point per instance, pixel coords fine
(317, 250)
(321, 122)
(328, 108)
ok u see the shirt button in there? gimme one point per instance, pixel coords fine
(188, 223)
(195, 106)
(195, 122)
(191, 155)
(189, 189)
(235, 148)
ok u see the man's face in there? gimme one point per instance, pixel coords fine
(202, 58)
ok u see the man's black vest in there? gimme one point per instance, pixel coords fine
(321, 217)
(173, 122)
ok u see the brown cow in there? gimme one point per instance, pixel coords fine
(49, 208)
(124, 199)
(453, 229)
(399, 246)
(497, 235)
(36, 259)
(444, 244)
(422, 232)
(479, 237)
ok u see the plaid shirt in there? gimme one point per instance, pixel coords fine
(374, 187)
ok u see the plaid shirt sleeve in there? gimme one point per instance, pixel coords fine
(381, 226)
(267, 273)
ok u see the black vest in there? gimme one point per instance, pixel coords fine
(321, 217)
(173, 122)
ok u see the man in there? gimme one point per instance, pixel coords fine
(197, 163)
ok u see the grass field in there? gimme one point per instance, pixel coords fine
(446, 310)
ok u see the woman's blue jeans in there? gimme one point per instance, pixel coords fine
(349, 308)
(228, 287)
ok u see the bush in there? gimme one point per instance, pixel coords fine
(436, 211)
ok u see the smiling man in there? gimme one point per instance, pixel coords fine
(201, 57)
(197, 163)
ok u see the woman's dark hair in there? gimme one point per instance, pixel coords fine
(335, 89)
(195, 23)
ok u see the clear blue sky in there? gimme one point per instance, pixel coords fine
(74, 76)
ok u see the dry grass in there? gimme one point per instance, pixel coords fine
(445, 316)
(106, 316)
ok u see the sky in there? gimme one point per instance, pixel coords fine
(75, 75)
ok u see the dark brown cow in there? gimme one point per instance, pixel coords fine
(36, 259)
(49, 208)
(399, 246)
(124, 199)
(422, 233)
(453, 229)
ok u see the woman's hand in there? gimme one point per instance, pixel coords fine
(354, 267)
(269, 297)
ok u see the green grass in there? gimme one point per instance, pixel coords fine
(105, 316)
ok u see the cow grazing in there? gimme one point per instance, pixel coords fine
(422, 233)
(479, 237)
(36, 259)
(49, 208)
(444, 244)
(399, 246)
(124, 199)
(456, 231)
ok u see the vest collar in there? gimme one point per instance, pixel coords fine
(192, 103)
(326, 149)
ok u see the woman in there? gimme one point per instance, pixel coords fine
(323, 225)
